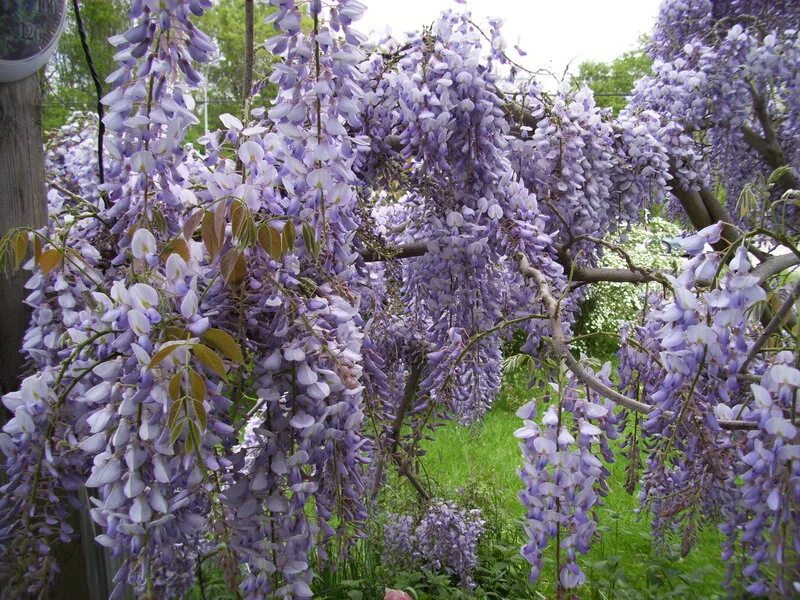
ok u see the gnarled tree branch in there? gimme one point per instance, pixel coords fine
(560, 344)
(774, 265)
(768, 146)
(581, 274)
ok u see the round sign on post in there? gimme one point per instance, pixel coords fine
(29, 32)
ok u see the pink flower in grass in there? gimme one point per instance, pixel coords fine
(396, 595)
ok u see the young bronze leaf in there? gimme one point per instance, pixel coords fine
(37, 249)
(242, 223)
(209, 359)
(220, 213)
(224, 342)
(20, 247)
(270, 239)
(209, 234)
(177, 246)
(191, 224)
(233, 267)
(238, 217)
(50, 259)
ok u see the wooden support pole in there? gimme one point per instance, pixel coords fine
(85, 569)
(23, 202)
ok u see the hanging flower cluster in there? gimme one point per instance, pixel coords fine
(687, 361)
(726, 69)
(563, 475)
(445, 540)
(763, 520)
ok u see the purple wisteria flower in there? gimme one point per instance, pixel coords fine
(445, 540)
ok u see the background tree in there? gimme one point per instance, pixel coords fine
(67, 83)
(612, 82)
(225, 23)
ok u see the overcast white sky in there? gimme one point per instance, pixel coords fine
(552, 32)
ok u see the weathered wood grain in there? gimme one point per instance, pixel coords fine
(22, 202)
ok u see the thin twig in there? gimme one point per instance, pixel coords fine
(247, 76)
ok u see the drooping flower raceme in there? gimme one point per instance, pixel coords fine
(563, 475)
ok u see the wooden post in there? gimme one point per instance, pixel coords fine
(22, 203)
(86, 568)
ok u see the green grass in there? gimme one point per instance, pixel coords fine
(488, 457)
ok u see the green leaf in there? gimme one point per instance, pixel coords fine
(166, 349)
(175, 431)
(158, 220)
(200, 413)
(175, 386)
(209, 359)
(309, 286)
(177, 334)
(224, 342)
(747, 200)
(193, 437)
(779, 173)
(198, 385)
(308, 239)
(289, 236)
(175, 412)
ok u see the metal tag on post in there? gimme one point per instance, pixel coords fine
(29, 33)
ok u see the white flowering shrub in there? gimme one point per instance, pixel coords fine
(650, 245)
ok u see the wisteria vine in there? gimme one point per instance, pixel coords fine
(231, 347)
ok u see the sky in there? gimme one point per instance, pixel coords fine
(554, 33)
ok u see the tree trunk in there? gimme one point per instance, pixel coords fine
(22, 203)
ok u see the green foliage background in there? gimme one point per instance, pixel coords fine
(611, 81)
(606, 303)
